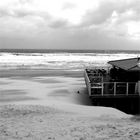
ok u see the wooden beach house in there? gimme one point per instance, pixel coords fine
(121, 83)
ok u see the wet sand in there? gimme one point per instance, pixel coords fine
(38, 105)
(47, 87)
(40, 72)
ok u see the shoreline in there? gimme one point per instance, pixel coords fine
(41, 72)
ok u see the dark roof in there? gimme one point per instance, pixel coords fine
(127, 64)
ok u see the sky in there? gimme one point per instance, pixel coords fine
(70, 24)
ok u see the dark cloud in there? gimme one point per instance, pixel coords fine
(21, 13)
(106, 9)
(100, 15)
(15, 12)
(64, 39)
(58, 24)
(4, 12)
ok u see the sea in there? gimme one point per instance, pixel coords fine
(60, 59)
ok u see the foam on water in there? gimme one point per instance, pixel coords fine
(58, 60)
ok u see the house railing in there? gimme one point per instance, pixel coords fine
(87, 82)
(114, 89)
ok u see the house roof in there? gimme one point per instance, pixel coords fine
(132, 64)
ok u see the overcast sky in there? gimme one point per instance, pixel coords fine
(70, 24)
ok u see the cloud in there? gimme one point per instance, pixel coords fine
(25, 1)
(4, 12)
(58, 24)
(113, 17)
(99, 15)
(68, 5)
(81, 22)
(15, 13)
(15, 8)
(62, 39)
(106, 9)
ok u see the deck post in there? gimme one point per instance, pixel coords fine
(88, 83)
(127, 88)
(139, 87)
(102, 89)
(89, 88)
(114, 88)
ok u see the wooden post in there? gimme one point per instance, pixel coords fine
(102, 89)
(89, 88)
(114, 88)
(88, 83)
(139, 87)
(127, 88)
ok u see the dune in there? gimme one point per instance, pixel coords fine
(33, 122)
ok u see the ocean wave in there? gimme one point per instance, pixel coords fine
(58, 60)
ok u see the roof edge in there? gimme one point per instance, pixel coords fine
(124, 59)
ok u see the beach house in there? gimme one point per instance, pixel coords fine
(120, 83)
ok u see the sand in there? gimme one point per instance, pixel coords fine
(41, 107)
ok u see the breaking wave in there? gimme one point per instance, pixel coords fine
(73, 61)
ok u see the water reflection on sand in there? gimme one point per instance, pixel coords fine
(43, 90)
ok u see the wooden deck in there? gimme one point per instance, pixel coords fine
(124, 96)
(110, 89)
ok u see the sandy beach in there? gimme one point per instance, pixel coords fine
(46, 49)
(38, 105)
